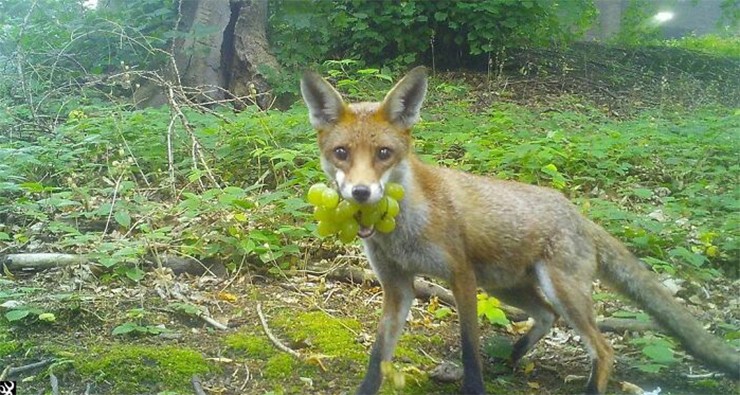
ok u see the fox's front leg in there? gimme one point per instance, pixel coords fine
(398, 293)
(463, 284)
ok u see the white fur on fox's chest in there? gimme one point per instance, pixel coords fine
(406, 248)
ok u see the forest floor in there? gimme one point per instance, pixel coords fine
(118, 337)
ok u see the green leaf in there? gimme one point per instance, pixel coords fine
(550, 169)
(693, 259)
(187, 309)
(135, 274)
(440, 16)
(442, 312)
(496, 316)
(125, 328)
(16, 315)
(659, 354)
(33, 187)
(123, 218)
(642, 193)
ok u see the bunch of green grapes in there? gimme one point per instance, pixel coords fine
(344, 217)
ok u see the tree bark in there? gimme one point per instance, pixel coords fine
(198, 56)
(251, 54)
(222, 56)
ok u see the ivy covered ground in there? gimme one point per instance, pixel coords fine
(646, 143)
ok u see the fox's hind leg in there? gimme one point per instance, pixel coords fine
(530, 300)
(570, 295)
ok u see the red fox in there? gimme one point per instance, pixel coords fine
(527, 245)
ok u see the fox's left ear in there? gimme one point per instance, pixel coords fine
(325, 104)
(402, 104)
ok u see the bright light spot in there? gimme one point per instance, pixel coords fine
(90, 4)
(663, 16)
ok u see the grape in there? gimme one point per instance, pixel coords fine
(315, 193)
(370, 215)
(346, 209)
(382, 205)
(336, 216)
(348, 230)
(326, 228)
(386, 225)
(329, 198)
(393, 207)
(394, 190)
(323, 214)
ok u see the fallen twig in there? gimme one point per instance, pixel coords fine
(40, 261)
(54, 383)
(197, 385)
(247, 376)
(703, 375)
(12, 372)
(213, 322)
(202, 315)
(272, 337)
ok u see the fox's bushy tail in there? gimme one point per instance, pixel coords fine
(622, 270)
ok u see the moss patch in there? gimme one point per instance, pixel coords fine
(280, 366)
(335, 337)
(140, 369)
(258, 347)
(7, 347)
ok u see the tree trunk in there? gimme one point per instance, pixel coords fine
(198, 56)
(222, 55)
(251, 54)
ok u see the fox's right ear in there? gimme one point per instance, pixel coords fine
(325, 104)
(402, 104)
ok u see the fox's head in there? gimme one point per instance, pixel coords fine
(364, 145)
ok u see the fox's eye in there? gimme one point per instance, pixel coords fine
(341, 153)
(384, 153)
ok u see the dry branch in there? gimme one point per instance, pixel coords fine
(13, 372)
(213, 322)
(54, 382)
(272, 337)
(40, 261)
(197, 386)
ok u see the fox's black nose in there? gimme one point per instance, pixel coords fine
(361, 193)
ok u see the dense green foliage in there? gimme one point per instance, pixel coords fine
(80, 172)
(443, 32)
(663, 182)
(100, 185)
(60, 55)
(711, 44)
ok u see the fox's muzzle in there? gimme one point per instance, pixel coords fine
(361, 193)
